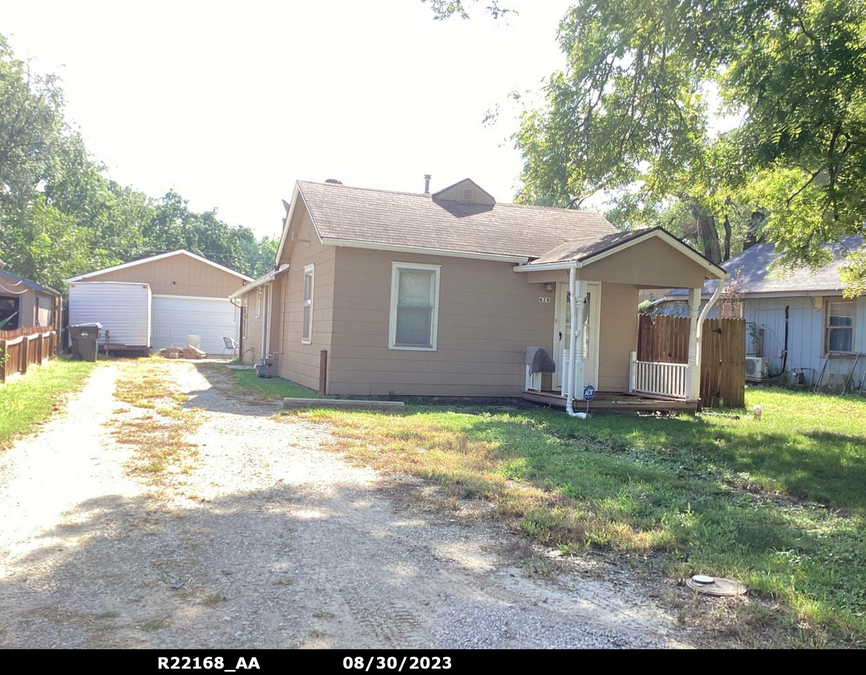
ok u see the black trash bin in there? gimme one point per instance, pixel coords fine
(85, 340)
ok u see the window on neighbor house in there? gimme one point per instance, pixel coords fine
(245, 319)
(307, 331)
(414, 306)
(9, 316)
(258, 303)
(840, 326)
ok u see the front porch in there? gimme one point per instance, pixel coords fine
(616, 402)
(595, 325)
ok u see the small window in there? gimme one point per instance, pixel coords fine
(9, 313)
(307, 332)
(258, 303)
(245, 318)
(840, 326)
(414, 306)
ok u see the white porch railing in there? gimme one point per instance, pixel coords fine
(563, 371)
(658, 379)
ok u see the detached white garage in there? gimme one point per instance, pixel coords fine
(190, 297)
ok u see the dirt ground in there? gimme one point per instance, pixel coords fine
(267, 540)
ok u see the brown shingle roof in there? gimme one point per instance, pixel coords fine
(421, 221)
(581, 250)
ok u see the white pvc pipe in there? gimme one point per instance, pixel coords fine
(572, 343)
(703, 316)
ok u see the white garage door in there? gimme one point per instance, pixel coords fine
(176, 317)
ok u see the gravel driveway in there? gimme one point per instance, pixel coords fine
(269, 541)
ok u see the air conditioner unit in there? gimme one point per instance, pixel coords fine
(756, 368)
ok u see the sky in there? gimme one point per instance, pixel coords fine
(231, 103)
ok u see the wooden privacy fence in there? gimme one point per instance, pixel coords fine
(723, 354)
(25, 347)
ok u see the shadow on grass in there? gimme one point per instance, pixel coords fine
(824, 466)
(645, 485)
(251, 394)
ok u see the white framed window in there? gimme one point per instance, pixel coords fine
(258, 303)
(839, 327)
(414, 306)
(307, 330)
(245, 314)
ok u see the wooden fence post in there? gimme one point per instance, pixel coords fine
(323, 372)
(25, 355)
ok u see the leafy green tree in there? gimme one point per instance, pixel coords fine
(630, 116)
(31, 119)
(61, 216)
(445, 9)
(49, 248)
(261, 255)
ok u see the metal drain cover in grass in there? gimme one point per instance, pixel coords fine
(715, 585)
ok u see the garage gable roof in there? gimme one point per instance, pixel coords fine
(153, 258)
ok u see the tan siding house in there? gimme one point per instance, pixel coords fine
(442, 295)
(487, 317)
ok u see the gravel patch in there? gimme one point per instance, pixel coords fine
(269, 541)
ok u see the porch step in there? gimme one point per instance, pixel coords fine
(613, 402)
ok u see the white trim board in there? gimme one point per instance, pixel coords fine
(311, 271)
(190, 297)
(153, 258)
(496, 257)
(262, 280)
(290, 215)
(761, 295)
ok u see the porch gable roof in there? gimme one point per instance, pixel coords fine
(583, 252)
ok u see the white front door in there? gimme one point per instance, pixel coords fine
(562, 324)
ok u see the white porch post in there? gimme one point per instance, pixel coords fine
(693, 379)
(632, 372)
(579, 342)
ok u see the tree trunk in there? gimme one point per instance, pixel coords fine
(727, 223)
(709, 236)
(755, 222)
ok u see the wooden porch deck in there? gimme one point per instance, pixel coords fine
(612, 401)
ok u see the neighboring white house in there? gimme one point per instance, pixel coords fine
(798, 322)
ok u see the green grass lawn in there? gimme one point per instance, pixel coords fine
(269, 389)
(31, 398)
(779, 504)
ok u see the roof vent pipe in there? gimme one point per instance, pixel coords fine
(427, 178)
